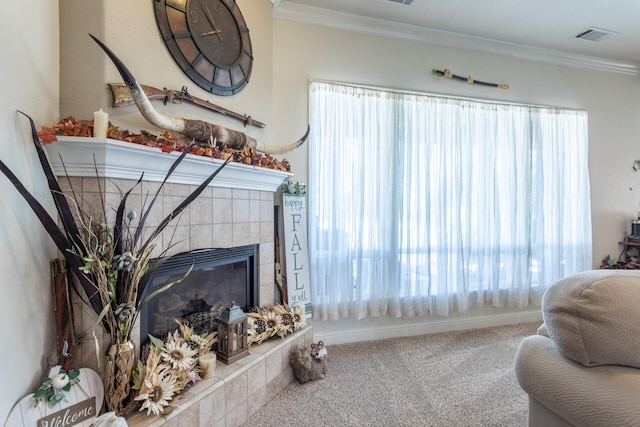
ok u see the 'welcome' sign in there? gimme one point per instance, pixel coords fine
(71, 416)
(297, 257)
(79, 408)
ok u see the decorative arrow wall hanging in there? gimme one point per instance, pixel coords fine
(446, 74)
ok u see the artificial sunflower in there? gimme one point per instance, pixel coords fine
(179, 355)
(273, 320)
(299, 319)
(156, 392)
(285, 315)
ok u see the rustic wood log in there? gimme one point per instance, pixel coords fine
(63, 314)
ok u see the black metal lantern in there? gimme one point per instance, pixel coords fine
(232, 334)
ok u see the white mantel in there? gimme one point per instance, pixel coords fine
(118, 159)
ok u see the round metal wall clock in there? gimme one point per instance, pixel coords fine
(209, 40)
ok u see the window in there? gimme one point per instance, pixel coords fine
(422, 204)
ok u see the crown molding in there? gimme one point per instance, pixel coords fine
(284, 9)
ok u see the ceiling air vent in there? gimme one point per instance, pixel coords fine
(595, 34)
(405, 2)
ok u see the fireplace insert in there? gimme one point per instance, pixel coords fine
(218, 277)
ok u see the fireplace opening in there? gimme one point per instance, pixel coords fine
(218, 278)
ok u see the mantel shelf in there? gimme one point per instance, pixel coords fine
(118, 159)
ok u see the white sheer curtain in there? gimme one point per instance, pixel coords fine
(421, 204)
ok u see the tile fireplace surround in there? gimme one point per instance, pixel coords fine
(235, 210)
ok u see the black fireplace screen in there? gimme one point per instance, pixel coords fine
(218, 277)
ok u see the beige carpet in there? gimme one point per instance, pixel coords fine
(455, 379)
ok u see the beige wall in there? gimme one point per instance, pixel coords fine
(304, 51)
(52, 69)
(129, 29)
(29, 82)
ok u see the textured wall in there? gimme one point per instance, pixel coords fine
(29, 83)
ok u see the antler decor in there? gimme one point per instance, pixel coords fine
(203, 133)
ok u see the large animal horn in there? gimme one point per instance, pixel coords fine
(202, 132)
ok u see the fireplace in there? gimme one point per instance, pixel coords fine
(237, 210)
(217, 277)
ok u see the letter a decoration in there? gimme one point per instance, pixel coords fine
(295, 240)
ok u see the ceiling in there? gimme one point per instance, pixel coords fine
(533, 29)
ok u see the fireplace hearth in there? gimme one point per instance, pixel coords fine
(216, 278)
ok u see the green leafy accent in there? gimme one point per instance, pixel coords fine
(46, 391)
(156, 342)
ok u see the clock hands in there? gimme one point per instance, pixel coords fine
(211, 21)
(209, 33)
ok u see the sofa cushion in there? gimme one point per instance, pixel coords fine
(594, 317)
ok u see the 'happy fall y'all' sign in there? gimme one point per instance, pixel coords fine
(297, 257)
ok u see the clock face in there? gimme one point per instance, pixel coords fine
(209, 40)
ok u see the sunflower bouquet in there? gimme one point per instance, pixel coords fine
(280, 320)
(171, 365)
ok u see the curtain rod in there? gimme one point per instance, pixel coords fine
(439, 95)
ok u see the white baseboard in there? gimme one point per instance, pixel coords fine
(345, 336)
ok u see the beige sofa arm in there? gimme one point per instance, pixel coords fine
(583, 396)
